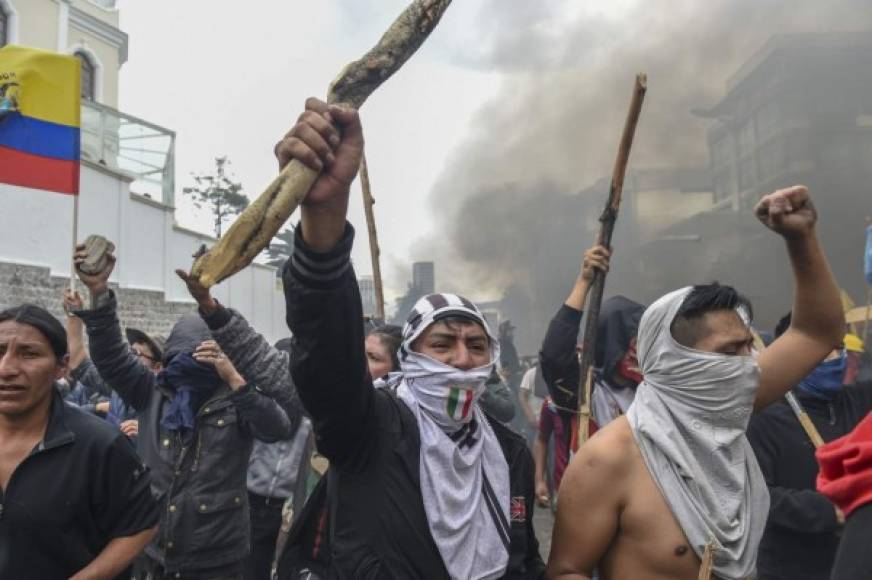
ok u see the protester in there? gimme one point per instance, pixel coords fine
(277, 471)
(859, 361)
(382, 345)
(148, 350)
(615, 375)
(613, 353)
(531, 396)
(496, 401)
(551, 426)
(307, 547)
(197, 420)
(803, 528)
(846, 480)
(76, 500)
(672, 489)
(425, 485)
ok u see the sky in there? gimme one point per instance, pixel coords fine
(230, 79)
(476, 145)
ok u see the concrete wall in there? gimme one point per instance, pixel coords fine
(37, 22)
(36, 232)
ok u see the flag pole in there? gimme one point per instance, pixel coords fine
(75, 243)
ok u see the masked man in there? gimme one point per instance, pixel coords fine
(422, 483)
(803, 529)
(198, 419)
(672, 488)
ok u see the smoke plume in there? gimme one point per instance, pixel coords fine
(508, 196)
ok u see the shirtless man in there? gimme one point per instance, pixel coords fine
(629, 505)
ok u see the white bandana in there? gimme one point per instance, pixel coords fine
(689, 419)
(464, 474)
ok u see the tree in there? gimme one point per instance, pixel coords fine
(218, 193)
(280, 249)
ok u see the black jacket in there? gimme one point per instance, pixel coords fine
(201, 485)
(379, 526)
(617, 326)
(79, 489)
(802, 533)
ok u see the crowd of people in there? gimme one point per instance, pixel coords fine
(361, 450)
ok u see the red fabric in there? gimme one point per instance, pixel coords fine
(37, 172)
(550, 422)
(845, 475)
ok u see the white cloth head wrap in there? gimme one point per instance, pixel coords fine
(464, 474)
(689, 419)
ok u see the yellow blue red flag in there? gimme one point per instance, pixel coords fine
(40, 112)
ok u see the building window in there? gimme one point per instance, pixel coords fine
(4, 27)
(89, 77)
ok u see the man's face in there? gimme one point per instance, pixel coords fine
(146, 356)
(377, 357)
(462, 345)
(28, 369)
(724, 332)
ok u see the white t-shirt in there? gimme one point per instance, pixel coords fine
(528, 388)
(608, 403)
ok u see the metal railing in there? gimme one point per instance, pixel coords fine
(107, 4)
(124, 143)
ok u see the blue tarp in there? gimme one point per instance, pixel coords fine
(869, 255)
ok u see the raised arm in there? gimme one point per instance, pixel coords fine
(111, 354)
(558, 357)
(75, 328)
(818, 322)
(324, 312)
(258, 361)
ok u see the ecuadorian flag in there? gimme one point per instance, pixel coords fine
(40, 113)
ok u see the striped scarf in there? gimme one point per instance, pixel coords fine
(464, 474)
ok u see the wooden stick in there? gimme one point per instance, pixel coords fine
(374, 250)
(804, 420)
(261, 221)
(708, 561)
(607, 219)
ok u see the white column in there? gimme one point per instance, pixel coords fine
(63, 25)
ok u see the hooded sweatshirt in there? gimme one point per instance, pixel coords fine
(802, 533)
(617, 325)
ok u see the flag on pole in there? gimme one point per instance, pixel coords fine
(40, 111)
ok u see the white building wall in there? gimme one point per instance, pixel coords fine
(36, 229)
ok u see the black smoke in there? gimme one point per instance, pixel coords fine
(511, 219)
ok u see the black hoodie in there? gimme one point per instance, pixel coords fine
(802, 533)
(618, 323)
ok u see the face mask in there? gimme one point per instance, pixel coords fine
(628, 370)
(448, 394)
(827, 379)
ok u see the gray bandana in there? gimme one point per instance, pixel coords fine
(689, 419)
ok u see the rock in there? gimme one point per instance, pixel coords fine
(97, 260)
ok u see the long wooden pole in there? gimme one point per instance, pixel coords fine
(607, 219)
(252, 231)
(374, 250)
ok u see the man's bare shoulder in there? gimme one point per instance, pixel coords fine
(607, 454)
